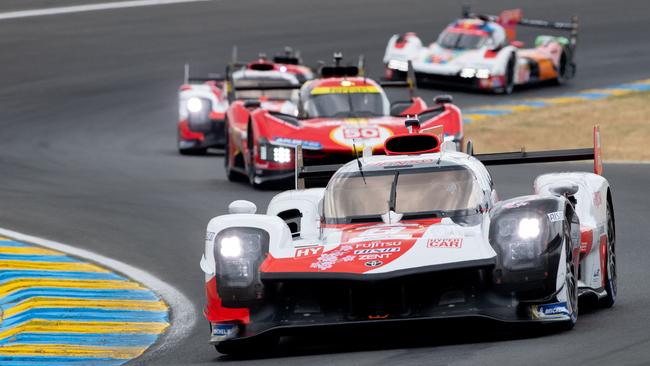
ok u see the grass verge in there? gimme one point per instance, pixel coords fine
(624, 124)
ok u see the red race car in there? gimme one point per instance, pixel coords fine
(334, 118)
(203, 100)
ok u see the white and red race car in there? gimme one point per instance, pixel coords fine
(203, 101)
(481, 52)
(413, 236)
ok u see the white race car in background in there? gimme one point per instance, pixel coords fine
(203, 101)
(480, 51)
(415, 235)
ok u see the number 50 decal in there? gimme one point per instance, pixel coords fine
(372, 136)
(360, 132)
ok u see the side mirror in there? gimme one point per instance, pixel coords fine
(242, 207)
(518, 44)
(443, 99)
(205, 266)
(252, 104)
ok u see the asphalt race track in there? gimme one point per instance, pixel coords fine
(87, 155)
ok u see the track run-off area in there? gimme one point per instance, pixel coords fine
(88, 158)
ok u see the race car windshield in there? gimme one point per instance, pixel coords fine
(461, 40)
(269, 93)
(343, 105)
(439, 192)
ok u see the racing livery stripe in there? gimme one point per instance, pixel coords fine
(483, 112)
(56, 309)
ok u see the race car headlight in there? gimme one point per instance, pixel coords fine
(483, 73)
(281, 154)
(467, 73)
(230, 247)
(238, 253)
(521, 241)
(277, 154)
(528, 228)
(398, 65)
(194, 105)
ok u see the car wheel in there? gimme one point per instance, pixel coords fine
(509, 80)
(250, 168)
(610, 284)
(230, 174)
(563, 69)
(570, 281)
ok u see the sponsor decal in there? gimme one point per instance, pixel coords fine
(454, 243)
(306, 252)
(309, 145)
(374, 233)
(344, 89)
(556, 310)
(378, 244)
(555, 216)
(365, 257)
(374, 263)
(359, 136)
(221, 332)
(326, 260)
(210, 235)
(377, 250)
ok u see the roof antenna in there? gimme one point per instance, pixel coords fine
(338, 56)
(356, 153)
(186, 79)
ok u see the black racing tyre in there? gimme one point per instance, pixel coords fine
(611, 275)
(230, 174)
(509, 82)
(571, 281)
(563, 69)
(250, 168)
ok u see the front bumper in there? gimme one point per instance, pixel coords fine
(214, 137)
(494, 82)
(295, 306)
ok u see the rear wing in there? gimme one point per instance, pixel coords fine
(524, 157)
(512, 17)
(232, 87)
(187, 79)
(319, 175)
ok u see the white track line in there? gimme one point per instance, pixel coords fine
(183, 312)
(89, 7)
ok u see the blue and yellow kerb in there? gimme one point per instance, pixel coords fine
(479, 113)
(58, 310)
